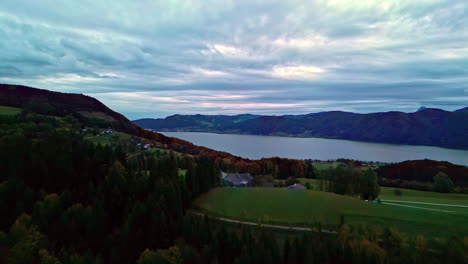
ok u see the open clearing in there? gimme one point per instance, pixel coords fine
(409, 196)
(387, 193)
(109, 139)
(97, 115)
(322, 165)
(299, 208)
(6, 110)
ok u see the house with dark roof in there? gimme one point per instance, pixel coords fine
(297, 186)
(236, 179)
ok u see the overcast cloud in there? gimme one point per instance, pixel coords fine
(157, 58)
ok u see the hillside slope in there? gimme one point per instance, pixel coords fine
(89, 112)
(431, 127)
(80, 106)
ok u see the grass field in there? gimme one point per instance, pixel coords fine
(314, 183)
(97, 115)
(6, 110)
(387, 193)
(322, 165)
(182, 174)
(292, 207)
(108, 139)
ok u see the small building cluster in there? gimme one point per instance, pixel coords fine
(236, 179)
(371, 166)
(297, 186)
(107, 131)
(144, 146)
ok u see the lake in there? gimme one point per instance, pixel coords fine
(257, 147)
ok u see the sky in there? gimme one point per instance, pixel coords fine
(158, 58)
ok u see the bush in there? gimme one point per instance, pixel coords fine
(290, 181)
(413, 185)
(3, 239)
(398, 192)
(442, 183)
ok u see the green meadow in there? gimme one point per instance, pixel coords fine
(387, 193)
(299, 208)
(323, 165)
(6, 110)
(109, 139)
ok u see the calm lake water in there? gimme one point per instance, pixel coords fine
(257, 147)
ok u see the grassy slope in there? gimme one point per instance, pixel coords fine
(97, 115)
(6, 110)
(322, 165)
(314, 183)
(387, 193)
(301, 207)
(108, 139)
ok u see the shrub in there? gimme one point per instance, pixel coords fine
(291, 181)
(442, 183)
(398, 192)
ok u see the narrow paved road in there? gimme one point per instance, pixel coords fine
(281, 227)
(302, 229)
(422, 208)
(411, 202)
(273, 226)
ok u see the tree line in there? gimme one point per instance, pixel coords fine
(350, 181)
(206, 240)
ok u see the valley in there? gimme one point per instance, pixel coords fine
(82, 176)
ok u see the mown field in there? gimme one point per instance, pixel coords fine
(6, 110)
(323, 165)
(299, 208)
(314, 183)
(387, 193)
(108, 139)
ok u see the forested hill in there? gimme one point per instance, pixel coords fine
(62, 104)
(431, 127)
(86, 111)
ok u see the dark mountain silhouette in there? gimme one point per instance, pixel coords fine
(462, 110)
(421, 108)
(430, 126)
(194, 122)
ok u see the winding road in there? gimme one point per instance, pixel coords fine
(280, 227)
(411, 202)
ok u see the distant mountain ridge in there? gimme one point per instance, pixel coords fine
(429, 126)
(421, 108)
